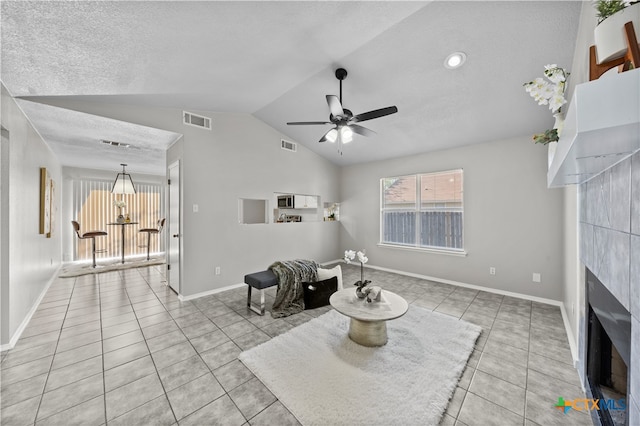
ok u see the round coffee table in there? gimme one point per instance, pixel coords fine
(368, 326)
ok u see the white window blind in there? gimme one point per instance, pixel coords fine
(94, 209)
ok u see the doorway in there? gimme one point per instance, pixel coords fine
(174, 259)
(5, 332)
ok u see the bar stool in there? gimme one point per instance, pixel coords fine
(150, 231)
(89, 235)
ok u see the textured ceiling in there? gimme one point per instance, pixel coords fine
(82, 146)
(276, 60)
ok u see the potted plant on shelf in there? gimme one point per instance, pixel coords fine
(331, 212)
(609, 35)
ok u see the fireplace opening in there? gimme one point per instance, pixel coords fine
(608, 352)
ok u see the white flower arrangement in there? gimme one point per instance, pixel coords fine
(550, 93)
(331, 210)
(350, 255)
(119, 204)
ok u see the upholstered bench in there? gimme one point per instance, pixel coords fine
(259, 281)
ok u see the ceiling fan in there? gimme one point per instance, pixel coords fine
(343, 119)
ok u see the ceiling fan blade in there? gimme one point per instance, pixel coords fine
(335, 106)
(375, 114)
(307, 123)
(324, 137)
(362, 130)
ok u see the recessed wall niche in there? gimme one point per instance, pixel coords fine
(251, 211)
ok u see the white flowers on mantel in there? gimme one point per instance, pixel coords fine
(550, 93)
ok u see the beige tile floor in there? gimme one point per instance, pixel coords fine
(119, 348)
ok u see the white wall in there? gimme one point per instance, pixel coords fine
(573, 283)
(242, 158)
(33, 259)
(239, 158)
(4, 237)
(511, 220)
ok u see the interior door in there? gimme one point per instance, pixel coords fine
(173, 273)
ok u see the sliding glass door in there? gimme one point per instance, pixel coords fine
(94, 207)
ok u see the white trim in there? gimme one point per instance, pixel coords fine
(234, 286)
(449, 252)
(331, 262)
(210, 292)
(25, 322)
(572, 344)
(471, 286)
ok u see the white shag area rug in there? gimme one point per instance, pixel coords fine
(78, 269)
(324, 378)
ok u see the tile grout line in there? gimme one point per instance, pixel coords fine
(44, 388)
(231, 299)
(494, 403)
(150, 356)
(104, 381)
(211, 371)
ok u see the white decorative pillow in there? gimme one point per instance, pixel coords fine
(336, 271)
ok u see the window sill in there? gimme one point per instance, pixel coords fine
(458, 253)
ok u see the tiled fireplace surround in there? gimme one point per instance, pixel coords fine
(610, 248)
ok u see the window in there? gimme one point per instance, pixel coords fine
(423, 210)
(93, 207)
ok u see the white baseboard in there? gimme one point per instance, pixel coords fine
(27, 318)
(570, 336)
(210, 292)
(565, 318)
(231, 287)
(471, 286)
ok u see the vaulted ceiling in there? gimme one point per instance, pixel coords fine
(276, 60)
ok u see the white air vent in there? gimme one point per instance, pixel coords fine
(114, 143)
(196, 120)
(289, 146)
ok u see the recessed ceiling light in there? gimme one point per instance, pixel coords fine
(455, 60)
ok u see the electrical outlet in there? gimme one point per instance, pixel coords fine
(217, 270)
(536, 277)
(492, 271)
(195, 208)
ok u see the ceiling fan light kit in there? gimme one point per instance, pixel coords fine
(331, 136)
(343, 119)
(346, 134)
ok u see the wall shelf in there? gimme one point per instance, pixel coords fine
(601, 129)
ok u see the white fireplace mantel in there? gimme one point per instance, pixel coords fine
(601, 128)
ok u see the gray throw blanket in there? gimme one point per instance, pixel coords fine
(290, 296)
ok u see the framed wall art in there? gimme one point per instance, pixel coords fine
(45, 202)
(53, 208)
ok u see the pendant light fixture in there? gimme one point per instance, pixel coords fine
(123, 183)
